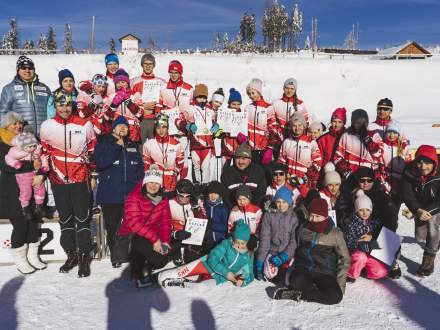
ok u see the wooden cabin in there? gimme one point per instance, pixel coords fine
(130, 44)
(409, 50)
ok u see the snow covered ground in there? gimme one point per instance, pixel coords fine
(49, 300)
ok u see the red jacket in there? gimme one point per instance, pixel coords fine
(328, 143)
(145, 219)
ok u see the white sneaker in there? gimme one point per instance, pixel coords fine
(34, 258)
(20, 259)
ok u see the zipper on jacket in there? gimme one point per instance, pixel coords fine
(32, 101)
(66, 175)
(235, 260)
(125, 171)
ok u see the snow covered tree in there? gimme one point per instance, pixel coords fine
(42, 44)
(275, 26)
(68, 42)
(217, 42)
(152, 44)
(112, 46)
(51, 40)
(248, 29)
(295, 28)
(29, 47)
(351, 41)
(10, 42)
(307, 44)
(225, 41)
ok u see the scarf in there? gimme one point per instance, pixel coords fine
(318, 227)
(6, 136)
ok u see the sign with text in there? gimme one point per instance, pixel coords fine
(197, 228)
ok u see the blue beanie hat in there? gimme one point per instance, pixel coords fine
(111, 58)
(285, 194)
(65, 73)
(234, 96)
(119, 121)
(242, 231)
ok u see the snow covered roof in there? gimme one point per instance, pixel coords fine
(129, 37)
(399, 50)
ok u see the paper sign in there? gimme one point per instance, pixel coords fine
(197, 228)
(239, 124)
(172, 114)
(224, 120)
(151, 90)
(389, 243)
(332, 215)
(203, 121)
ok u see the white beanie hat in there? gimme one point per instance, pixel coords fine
(362, 201)
(291, 81)
(316, 125)
(331, 176)
(256, 84)
(153, 175)
(10, 118)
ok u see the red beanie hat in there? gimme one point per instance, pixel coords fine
(428, 152)
(175, 66)
(340, 113)
(319, 206)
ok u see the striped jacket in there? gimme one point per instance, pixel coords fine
(251, 214)
(284, 109)
(173, 95)
(262, 125)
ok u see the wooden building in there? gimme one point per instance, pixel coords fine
(130, 44)
(409, 50)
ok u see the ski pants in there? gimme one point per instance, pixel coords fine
(23, 231)
(360, 260)
(201, 160)
(72, 202)
(112, 218)
(142, 254)
(24, 182)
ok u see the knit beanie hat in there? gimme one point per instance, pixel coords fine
(153, 175)
(175, 66)
(121, 120)
(234, 96)
(24, 62)
(215, 187)
(256, 84)
(121, 75)
(364, 172)
(63, 74)
(298, 117)
(243, 150)
(10, 118)
(285, 194)
(392, 128)
(316, 125)
(243, 190)
(362, 201)
(385, 103)
(275, 167)
(340, 113)
(111, 58)
(62, 98)
(331, 176)
(319, 206)
(148, 57)
(200, 90)
(357, 114)
(242, 231)
(161, 120)
(99, 80)
(218, 95)
(24, 140)
(291, 81)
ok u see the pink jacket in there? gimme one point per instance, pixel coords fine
(16, 155)
(145, 219)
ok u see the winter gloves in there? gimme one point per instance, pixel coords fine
(267, 157)
(96, 101)
(181, 235)
(122, 95)
(191, 127)
(241, 138)
(279, 259)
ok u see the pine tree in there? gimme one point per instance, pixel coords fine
(275, 26)
(42, 44)
(152, 44)
(225, 41)
(296, 28)
(10, 43)
(307, 44)
(112, 46)
(51, 40)
(29, 47)
(68, 42)
(216, 43)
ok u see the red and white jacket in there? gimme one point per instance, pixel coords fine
(327, 143)
(69, 145)
(175, 94)
(395, 157)
(302, 156)
(262, 125)
(379, 126)
(155, 83)
(251, 214)
(95, 116)
(204, 119)
(180, 213)
(353, 153)
(284, 109)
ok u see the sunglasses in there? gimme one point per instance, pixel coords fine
(366, 180)
(278, 174)
(383, 109)
(184, 195)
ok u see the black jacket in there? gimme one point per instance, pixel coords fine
(253, 176)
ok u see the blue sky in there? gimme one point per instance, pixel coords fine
(191, 23)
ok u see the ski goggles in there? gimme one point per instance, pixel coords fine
(99, 80)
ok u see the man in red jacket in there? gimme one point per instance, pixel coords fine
(148, 217)
(328, 142)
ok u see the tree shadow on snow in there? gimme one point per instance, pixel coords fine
(202, 316)
(129, 307)
(8, 296)
(422, 305)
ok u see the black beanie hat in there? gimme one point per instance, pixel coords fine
(215, 187)
(357, 114)
(243, 191)
(364, 172)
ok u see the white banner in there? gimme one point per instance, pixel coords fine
(197, 228)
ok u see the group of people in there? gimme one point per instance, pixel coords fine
(286, 200)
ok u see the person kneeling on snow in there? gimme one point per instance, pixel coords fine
(228, 261)
(359, 236)
(277, 237)
(321, 260)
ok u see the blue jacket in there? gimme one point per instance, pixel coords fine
(218, 215)
(27, 99)
(120, 169)
(356, 229)
(224, 258)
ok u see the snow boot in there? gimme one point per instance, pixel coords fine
(71, 262)
(427, 266)
(180, 282)
(34, 258)
(20, 259)
(395, 272)
(84, 261)
(286, 293)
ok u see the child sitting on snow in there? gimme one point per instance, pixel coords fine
(277, 237)
(359, 239)
(26, 147)
(228, 261)
(249, 212)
